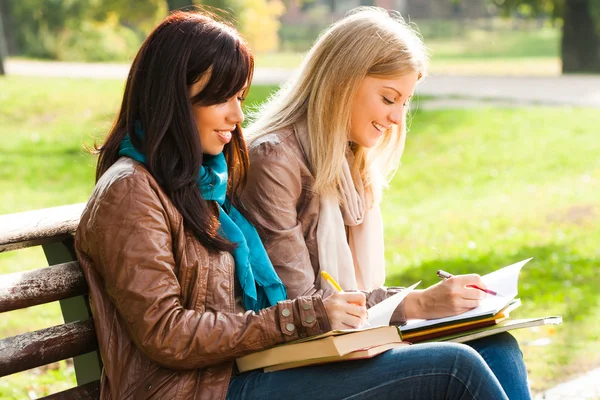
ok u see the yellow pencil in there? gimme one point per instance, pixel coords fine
(331, 281)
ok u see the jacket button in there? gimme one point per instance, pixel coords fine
(309, 319)
(306, 306)
(286, 312)
(149, 386)
(290, 327)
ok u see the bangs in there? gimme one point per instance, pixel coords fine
(231, 70)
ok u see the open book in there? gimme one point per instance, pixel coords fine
(503, 281)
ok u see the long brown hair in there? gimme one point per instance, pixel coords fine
(181, 50)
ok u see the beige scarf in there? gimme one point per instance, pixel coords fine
(355, 257)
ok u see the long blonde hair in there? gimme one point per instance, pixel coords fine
(366, 42)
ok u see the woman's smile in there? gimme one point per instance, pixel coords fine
(225, 136)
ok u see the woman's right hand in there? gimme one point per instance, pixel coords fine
(346, 310)
(449, 297)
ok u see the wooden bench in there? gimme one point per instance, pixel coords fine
(62, 281)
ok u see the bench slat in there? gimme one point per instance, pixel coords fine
(34, 349)
(32, 228)
(90, 391)
(40, 286)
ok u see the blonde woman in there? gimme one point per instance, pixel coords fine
(321, 150)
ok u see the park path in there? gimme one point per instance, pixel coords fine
(586, 387)
(450, 91)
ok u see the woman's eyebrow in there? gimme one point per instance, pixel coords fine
(394, 89)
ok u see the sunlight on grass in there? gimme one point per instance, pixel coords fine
(540, 66)
(534, 52)
(278, 60)
(476, 191)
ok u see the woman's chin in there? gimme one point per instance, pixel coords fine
(213, 151)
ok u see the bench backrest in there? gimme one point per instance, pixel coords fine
(63, 281)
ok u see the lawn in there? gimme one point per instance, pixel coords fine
(472, 51)
(476, 191)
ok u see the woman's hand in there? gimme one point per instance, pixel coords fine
(346, 310)
(451, 296)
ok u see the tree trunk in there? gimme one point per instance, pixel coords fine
(3, 49)
(332, 6)
(580, 46)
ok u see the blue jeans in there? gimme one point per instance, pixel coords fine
(503, 355)
(427, 371)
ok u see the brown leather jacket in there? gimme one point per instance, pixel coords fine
(165, 309)
(280, 201)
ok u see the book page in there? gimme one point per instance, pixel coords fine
(503, 281)
(381, 313)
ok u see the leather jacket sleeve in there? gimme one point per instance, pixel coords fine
(273, 196)
(130, 239)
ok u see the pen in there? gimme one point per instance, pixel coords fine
(331, 281)
(446, 275)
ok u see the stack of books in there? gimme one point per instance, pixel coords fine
(491, 317)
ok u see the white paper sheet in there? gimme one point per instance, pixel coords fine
(381, 313)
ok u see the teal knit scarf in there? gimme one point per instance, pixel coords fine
(260, 284)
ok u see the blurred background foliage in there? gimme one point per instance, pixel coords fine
(112, 30)
(478, 188)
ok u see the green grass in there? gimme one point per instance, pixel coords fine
(473, 51)
(279, 60)
(505, 44)
(480, 190)
(476, 191)
(499, 52)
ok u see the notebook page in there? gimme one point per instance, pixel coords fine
(381, 313)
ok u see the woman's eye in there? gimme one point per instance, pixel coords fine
(241, 99)
(387, 101)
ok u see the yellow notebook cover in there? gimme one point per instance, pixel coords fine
(503, 314)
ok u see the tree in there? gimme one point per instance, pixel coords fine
(580, 45)
(103, 30)
(258, 22)
(3, 50)
(580, 42)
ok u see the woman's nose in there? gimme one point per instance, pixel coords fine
(395, 116)
(236, 114)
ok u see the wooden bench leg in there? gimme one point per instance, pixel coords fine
(88, 367)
